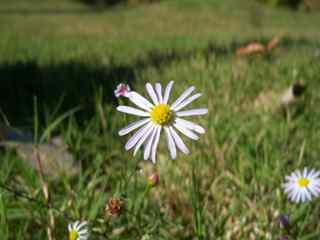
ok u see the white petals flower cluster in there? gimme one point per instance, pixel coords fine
(78, 231)
(159, 115)
(302, 186)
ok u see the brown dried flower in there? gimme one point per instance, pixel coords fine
(114, 207)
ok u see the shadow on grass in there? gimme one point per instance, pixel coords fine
(92, 7)
(49, 11)
(77, 82)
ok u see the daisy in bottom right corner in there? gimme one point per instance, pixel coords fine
(302, 186)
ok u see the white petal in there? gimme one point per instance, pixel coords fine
(314, 174)
(167, 92)
(190, 125)
(291, 178)
(133, 126)
(310, 173)
(180, 144)
(314, 190)
(85, 237)
(171, 144)
(82, 225)
(116, 93)
(193, 112)
(75, 225)
(315, 182)
(299, 196)
(305, 172)
(140, 101)
(132, 111)
(155, 144)
(303, 195)
(298, 173)
(292, 195)
(287, 186)
(159, 92)
(147, 149)
(143, 139)
(308, 194)
(70, 227)
(136, 137)
(187, 102)
(183, 96)
(295, 195)
(83, 232)
(186, 131)
(152, 93)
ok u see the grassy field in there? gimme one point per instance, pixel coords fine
(70, 56)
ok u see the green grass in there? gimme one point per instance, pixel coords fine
(229, 187)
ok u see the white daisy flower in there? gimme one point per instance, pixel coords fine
(122, 90)
(302, 186)
(160, 115)
(78, 231)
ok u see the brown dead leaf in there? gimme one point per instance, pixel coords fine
(274, 42)
(256, 47)
(251, 48)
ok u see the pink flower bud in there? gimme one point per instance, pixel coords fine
(122, 90)
(153, 180)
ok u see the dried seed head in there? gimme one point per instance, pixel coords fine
(114, 207)
(285, 237)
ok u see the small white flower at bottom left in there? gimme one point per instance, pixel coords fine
(78, 231)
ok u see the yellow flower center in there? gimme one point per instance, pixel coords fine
(303, 182)
(161, 114)
(73, 235)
